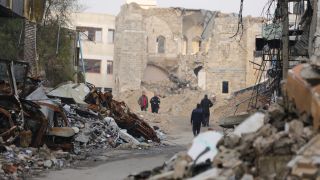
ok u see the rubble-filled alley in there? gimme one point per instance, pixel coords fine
(158, 92)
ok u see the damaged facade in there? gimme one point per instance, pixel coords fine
(281, 140)
(30, 12)
(97, 38)
(192, 48)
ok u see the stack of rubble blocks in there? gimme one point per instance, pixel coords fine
(270, 144)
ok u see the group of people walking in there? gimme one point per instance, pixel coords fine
(201, 115)
(154, 101)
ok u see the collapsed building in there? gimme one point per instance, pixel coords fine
(280, 141)
(73, 120)
(28, 13)
(43, 128)
(174, 48)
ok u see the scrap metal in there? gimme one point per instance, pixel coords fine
(19, 115)
(103, 103)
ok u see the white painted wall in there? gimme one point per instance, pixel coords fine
(97, 50)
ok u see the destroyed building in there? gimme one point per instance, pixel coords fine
(192, 47)
(97, 39)
(280, 141)
(28, 13)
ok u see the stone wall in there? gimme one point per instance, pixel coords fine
(193, 38)
(228, 58)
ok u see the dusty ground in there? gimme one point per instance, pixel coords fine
(172, 104)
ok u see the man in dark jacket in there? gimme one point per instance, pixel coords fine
(206, 104)
(196, 120)
(155, 103)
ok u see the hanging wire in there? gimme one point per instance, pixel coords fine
(240, 22)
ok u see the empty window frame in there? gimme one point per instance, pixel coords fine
(90, 33)
(185, 45)
(109, 67)
(161, 42)
(225, 87)
(92, 65)
(111, 36)
(196, 45)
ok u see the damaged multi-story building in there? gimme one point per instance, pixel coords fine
(159, 46)
(27, 13)
(97, 38)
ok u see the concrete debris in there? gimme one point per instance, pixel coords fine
(70, 91)
(252, 124)
(207, 175)
(128, 138)
(204, 147)
(67, 125)
(305, 165)
(256, 149)
(104, 104)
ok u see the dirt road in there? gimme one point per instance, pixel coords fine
(118, 164)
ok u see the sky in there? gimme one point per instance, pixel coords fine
(251, 7)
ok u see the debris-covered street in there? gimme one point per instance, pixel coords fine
(159, 90)
(119, 163)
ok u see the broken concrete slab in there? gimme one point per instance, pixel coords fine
(61, 131)
(180, 169)
(295, 128)
(204, 146)
(252, 124)
(128, 138)
(272, 166)
(75, 92)
(276, 112)
(214, 172)
(232, 121)
(231, 140)
(227, 158)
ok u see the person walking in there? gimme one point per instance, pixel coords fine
(206, 104)
(155, 103)
(143, 101)
(197, 118)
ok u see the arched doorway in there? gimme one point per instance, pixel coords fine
(153, 74)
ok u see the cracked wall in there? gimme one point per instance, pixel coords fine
(193, 38)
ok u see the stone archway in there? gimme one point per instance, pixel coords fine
(154, 74)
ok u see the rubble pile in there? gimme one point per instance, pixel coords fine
(174, 85)
(41, 130)
(17, 162)
(94, 132)
(171, 104)
(103, 104)
(260, 147)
